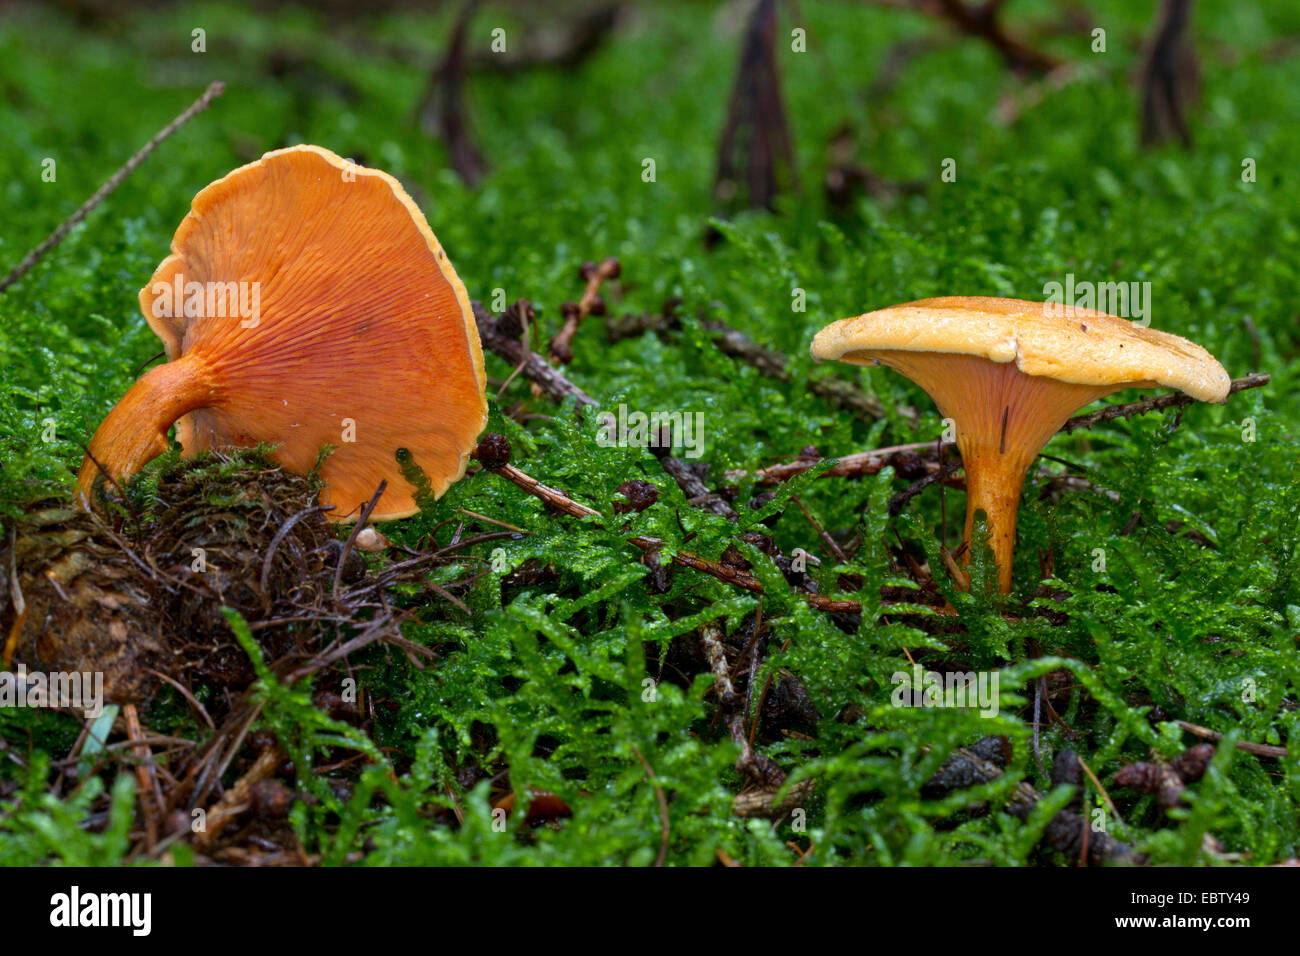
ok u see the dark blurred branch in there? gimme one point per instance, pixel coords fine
(983, 20)
(755, 146)
(443, 111)
(1170, 77)
(564, 48)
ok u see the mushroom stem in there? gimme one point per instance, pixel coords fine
(993, 485)
(1002, 419)
(135, 431)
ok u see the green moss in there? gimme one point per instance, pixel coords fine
(1183, 619)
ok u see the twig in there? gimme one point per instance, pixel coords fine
(772, 364)
(756, 766)
(872, 462)
(234, 801)
(836, 551)
(150, 796)
(356, 530)
(502, 337)
(490, 454)
(57, 236)
(692, 486)
(187, 694)
(1172, 400)
(1105, 796)
(982, 20)
(561, 349)
(850, 466)
(900, 500)
(1259, 750)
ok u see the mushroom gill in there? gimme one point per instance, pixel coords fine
(351, 330)
(1009, 373)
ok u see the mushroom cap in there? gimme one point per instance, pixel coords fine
(362, 317)
(1082, 347)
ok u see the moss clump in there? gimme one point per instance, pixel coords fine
(140, 585)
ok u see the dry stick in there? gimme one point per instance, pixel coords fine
(561, 349)
(234, 801)
(756, 766)
(187, 694)
(735, 344)
(1259, 750)
(352, 538)
(149, 791)
(57, 236)
(836, 551)
(1104, 795)
(900, 500)
(17, 600)
(214, 765)
(496, 335)
(1173, 400)
(692, 486)
(872, 462)
(850, 466)
(494, 453)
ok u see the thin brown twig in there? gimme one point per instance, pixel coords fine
(836, 551)
(502, 336)
(1172, 400)
(874, 461)
(768, 361)
(187, 694)
(561, 348)
(356, 530)
(849, 466)
(149, 791)
(494, 459)
(235, 800)
(58, 235)
(1259, 750)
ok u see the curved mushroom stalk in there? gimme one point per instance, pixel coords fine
(1002, 419)
(1009, 373)
(135, 431)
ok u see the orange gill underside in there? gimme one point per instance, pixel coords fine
(360, 340)
(1002, 418)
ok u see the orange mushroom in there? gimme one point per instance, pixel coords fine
(306, 303)
(1008, 373)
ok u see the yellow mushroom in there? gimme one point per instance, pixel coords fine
(1008, 373)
